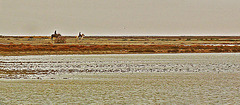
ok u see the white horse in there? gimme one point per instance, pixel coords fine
(80, 36)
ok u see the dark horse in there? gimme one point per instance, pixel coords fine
(55, 35)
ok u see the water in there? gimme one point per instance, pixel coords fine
(211, 62)
(212, 78)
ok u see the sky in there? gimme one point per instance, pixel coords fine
(120, 17)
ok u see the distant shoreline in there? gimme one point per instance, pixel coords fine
(125, 35)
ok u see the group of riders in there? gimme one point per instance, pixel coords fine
(80, 35)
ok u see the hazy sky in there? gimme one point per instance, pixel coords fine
(120, 17)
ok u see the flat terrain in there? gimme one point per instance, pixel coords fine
(42, 45)
(123, 40)
(125, 88)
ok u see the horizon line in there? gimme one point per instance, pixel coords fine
(136, 35)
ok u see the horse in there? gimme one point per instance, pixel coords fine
(55, 35)
(80, 36)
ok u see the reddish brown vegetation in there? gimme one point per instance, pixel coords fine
(60, 40)
(121, 48)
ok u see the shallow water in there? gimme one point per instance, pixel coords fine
(125, 88)
(212, 78)
(210, 62)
